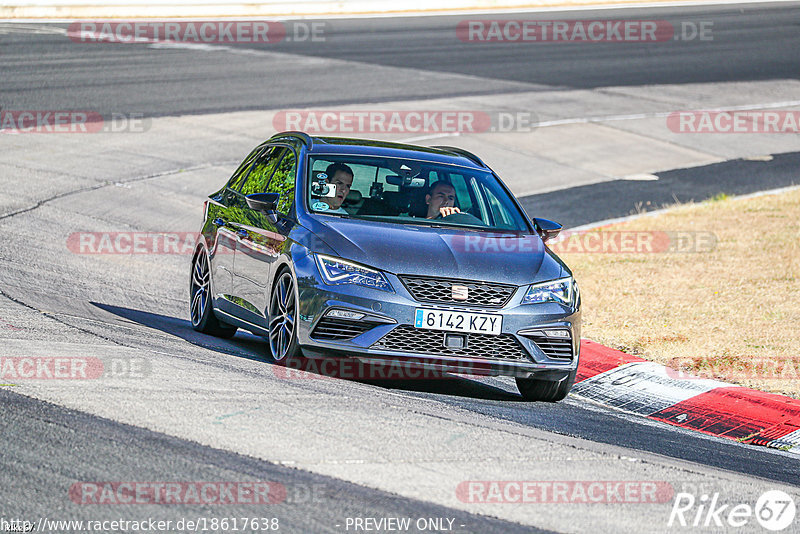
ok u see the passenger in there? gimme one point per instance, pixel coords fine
(441, 200)
(341, 176)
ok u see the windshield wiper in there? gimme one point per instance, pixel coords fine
(342, 215)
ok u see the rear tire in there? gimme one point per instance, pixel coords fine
(533, 389)
(201, 311)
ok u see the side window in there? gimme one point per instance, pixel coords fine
(265, 165)
(283, 181)
(480, 205)
(364, 177)
(382, 173)
(463, 199)
(241, 173)
(501, 216)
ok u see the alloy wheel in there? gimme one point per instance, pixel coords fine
(201, 282)
(282, 317)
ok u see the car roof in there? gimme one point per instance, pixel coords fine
(370, 147)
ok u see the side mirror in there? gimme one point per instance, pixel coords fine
(547, 229)
(266, 203)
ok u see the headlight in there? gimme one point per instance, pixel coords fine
(337, 271)
(561, 291)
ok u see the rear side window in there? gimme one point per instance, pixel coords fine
(283, 180)
(263, 168)
(239, 176)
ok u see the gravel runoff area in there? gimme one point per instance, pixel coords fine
(708, 288)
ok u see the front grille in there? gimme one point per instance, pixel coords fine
(406, 338)
(553, 347)
(330, 329)
(426, 289)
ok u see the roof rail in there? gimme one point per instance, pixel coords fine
(462, 152)
(304, 137)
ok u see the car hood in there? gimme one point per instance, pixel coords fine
(442, 252)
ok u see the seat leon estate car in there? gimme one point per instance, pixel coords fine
(379, 252)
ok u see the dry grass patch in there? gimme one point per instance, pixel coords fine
(732, 313)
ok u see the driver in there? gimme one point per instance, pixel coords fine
(441, 200)
(341, 176)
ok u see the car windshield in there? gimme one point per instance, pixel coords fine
(410, 192)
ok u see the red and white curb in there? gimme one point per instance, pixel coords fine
(648, 389)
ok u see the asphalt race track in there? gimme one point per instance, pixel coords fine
(408, 59)
(198, 408)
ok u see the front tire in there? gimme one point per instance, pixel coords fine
(201, 311)
(533, 389)
(283, 344)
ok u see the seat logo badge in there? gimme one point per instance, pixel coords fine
(460, 292)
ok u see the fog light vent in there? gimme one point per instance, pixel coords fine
(555, 343)
(344, 314)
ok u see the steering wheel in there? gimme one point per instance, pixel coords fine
(462, 218)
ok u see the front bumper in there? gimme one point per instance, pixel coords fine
(513, 354)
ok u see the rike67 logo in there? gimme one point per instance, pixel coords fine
(774, 510)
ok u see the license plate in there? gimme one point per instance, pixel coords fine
(457, 321)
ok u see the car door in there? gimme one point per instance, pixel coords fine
(260, 240)
(219, 214)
